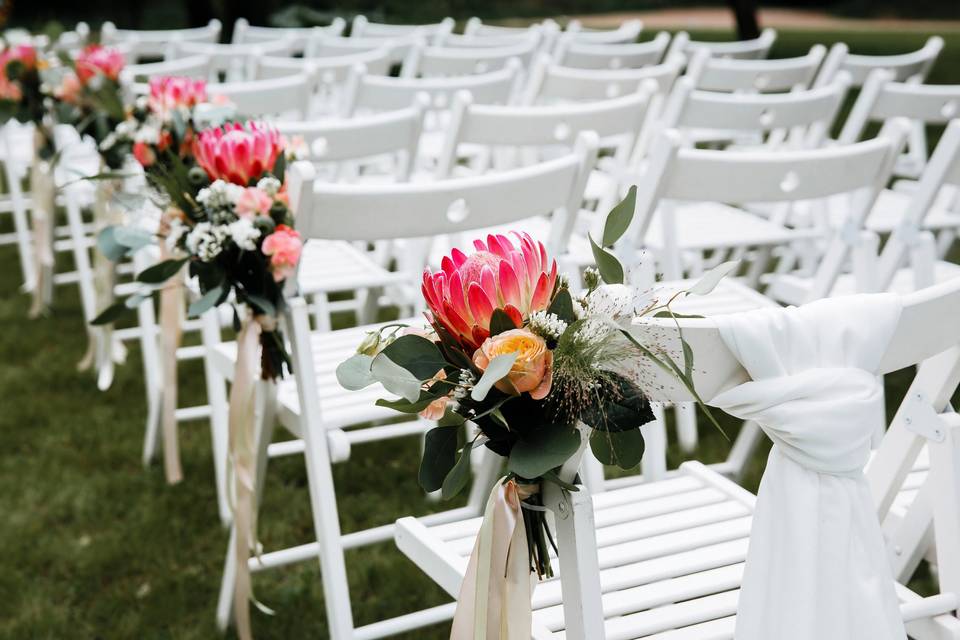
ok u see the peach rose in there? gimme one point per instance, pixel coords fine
(253, 202)
(283, 247)
(533, 369)
(438, 407)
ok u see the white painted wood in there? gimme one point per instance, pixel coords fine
(302, 37)
(586, 55)
(153, 43)
(233, 60)
(755, 49)
(628, 31)
(756, 75)
(435, 61)
(550, 82)
(289, 95)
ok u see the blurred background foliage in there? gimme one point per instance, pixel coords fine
(182, 13)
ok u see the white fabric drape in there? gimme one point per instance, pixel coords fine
(816, 567)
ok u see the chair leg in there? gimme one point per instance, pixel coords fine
(654, 462)
(225, 599)
(219, 418)
(686, 414)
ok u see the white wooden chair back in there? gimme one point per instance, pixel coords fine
(233, 60)
(799, 119)
(363, 28)
(908, 244)
(331, 46)
(616, 122)
(154, 43)
(432, 61)
(755, 49)
(420, 210)
(189, 67)
(475, 28)
(551, 83)
(339, 147)
(585, 55)
(302, 37)
(366, 92)
(915, 65)
(757, 75)
(626, 33)
(74, 39)
(676, 173)
(287, 96)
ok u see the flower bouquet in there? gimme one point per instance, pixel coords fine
(511, 350)
(22, 93)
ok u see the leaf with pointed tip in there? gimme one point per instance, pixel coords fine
(162, 271)
(439, 456)
(500, 322)
(619, 218)
(712, 278)
(498, 368)
(607, 264)
(108, 244)
(405, 406)
(111, 313)
(456, 480)
(206, 301)
(418, 355)
(562, 306)
(546, 448)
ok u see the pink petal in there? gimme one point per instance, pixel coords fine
(488, 282)
(541, 294)
(447, 265)
(514, 314)
(509, 286)
(456, 297)
(480, 306)
(459, 257)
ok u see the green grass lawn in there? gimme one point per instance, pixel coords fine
(95, 546)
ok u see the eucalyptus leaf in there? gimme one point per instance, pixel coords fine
(133, 238)
(161, 272)
(135, 300)
(607, 264)
(108, 244)
(405, 406)
(623, 449)
(395, 378)
(498, 368)
(547, 447)
(439, 456)
(418, 355)
(206, 301)
(619, 218)
(261, 303)
(457, 479)
(110, 314)
(354, 372)
(712, 278)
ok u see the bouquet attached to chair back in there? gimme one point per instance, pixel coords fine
(511, 350)
(23, 93)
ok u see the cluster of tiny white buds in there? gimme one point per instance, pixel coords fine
(546, 325)
(591, 278)
(220, 195)
(269, 185)
(464, 384)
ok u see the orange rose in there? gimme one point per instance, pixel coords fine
(533, 369)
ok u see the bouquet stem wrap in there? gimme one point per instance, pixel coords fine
(100, 338)
(494, 601)
(171, 316)
(243, 458)
(43, 194)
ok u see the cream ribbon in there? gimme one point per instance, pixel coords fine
(43, 194)
(243, 460)
(100, 338)
(172, 313)
(494, 602)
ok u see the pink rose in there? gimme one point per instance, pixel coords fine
(253, 202)
(283, 246)
(533, 369)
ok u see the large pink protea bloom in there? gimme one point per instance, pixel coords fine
(238, 152)
(97, 60)
(464, 293)
(172, 92)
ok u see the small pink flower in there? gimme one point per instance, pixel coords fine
(170, 92)
(26, 54)
(99, 60)
(69, 89)
(10, 90)
(238, 152)
(283, 246)
(438, 407)
(144, 154)
(253, 202)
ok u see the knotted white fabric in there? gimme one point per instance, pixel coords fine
(816, 568)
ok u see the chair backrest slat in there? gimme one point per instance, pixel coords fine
(755, 49)
(254, 98)
(627, 32)
(553, 83)
(154, 43)
(585, 55)
(302, 37)
(363, 28)
(460, 61)
(764, 76)
(915, 65)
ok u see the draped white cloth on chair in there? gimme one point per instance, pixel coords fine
(817, 565)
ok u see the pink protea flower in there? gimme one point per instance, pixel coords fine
(99, 60)
(464, 293)
(238, 152)
(171, 92)
(283, 246)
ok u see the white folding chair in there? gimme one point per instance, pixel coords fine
(234, 61)
(289, 96)
(915, 65)
(303, 37)
(551, 83)
(154, 43)
(664, 560)
(16, 154)
(908, 261)
(329, 73)
(316, 409)
(756, 75)
(627, 32)
(882, 98)
(476, 29)
(756, 49)
(585, 55)
(361, 27)
(433, 61)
